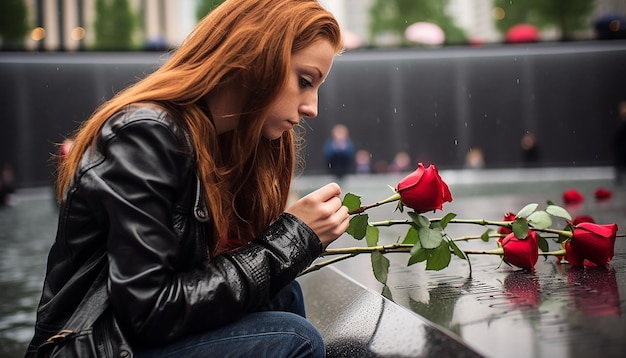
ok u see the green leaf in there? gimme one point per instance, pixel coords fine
(411, 236)
(439, 258)
(416, 247)
(423, 221)
(429, 238)
(418, 254)
(371, 235)
(458, 252)
(520, 228)
(543, 243)
(446, 219)
(358, 226)
(351, 201)
(387, 292)
(526, 210)
(380, 266)
(558, 211)
(485, 235)
(539, 220)
(435, 225)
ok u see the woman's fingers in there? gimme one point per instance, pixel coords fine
(323, 212)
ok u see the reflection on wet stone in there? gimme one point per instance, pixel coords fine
(556, 311)
(498, 310)
(594, 291)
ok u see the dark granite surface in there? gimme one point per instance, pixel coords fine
(556, 311)
(358, 322)
(501, 311)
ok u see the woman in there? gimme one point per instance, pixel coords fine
(183, 178)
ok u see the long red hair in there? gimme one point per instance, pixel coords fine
(246, 178)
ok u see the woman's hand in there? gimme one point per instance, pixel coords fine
(323, 212)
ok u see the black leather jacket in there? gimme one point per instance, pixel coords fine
(136, 194)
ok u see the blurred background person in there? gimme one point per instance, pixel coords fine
(339, 151)
(475, 159)
(530, 150)
(401, 163)
(363, 161)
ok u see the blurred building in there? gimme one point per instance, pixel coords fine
(68, 24)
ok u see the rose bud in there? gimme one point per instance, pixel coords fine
(603, 194)
(507, 217)
(572, 196)
(424, 190)
(571, 256)
(582, 219)
(521, 253)
(594, 242)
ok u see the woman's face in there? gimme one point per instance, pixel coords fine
(298, 98)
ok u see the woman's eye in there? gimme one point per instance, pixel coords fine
(304, 82)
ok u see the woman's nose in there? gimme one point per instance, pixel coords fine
(308, 108)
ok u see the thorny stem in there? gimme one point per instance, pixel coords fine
(394, 197)
(473, 237)
(349, 252)
(481, 222)
(326, 263)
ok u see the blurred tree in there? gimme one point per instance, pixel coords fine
(567, 16)
(394, 16)
(13, 24)
(114, 26)
(206, 6)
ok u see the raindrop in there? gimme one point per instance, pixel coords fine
(466, 124)
(395, 110)
(517, 81)
(456, 142)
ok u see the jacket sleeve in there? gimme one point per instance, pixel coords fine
(153, 301)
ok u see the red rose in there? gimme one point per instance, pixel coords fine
(603, 194)
(572, 196)
(507, 217)
(571, 256)
(582, 219)
(593, 242)
(521, 253)
(424, 190)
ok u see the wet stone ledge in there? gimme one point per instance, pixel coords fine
(358, 322)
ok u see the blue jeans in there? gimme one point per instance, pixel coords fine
(278, 330)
